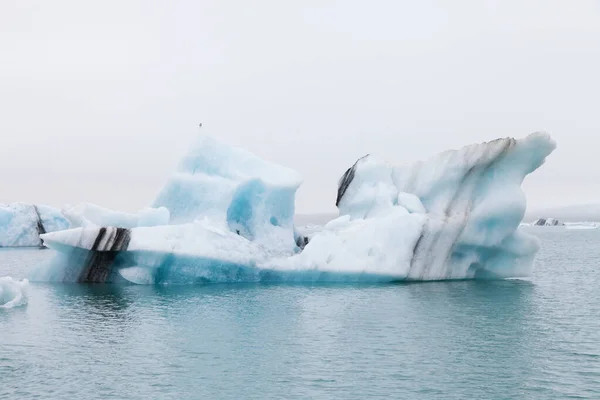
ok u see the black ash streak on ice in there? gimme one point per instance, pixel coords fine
(40, 226)
(346, 180)
(423, 253)
(100, 261)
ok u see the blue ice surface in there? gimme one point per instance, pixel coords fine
(21, 223)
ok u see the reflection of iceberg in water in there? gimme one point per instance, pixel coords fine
(451, 217)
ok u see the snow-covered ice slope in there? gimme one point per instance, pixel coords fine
(453, 216)
(90, 215)
(21, 224)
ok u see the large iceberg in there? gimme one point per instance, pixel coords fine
(22, 224)
(454, 216)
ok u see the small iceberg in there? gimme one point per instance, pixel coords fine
(548, 222)
(13, 293)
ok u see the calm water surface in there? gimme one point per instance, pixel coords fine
(537, 338)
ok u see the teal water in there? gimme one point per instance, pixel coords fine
(537, 338)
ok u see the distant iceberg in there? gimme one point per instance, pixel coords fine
(581, 225)
(454, 216)
(547, 222)
(22, 224)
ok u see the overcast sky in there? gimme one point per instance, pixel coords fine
(99, 99)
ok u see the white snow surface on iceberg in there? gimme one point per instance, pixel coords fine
(13, 293)
(91, 215)
(454, 216)
(21, 223)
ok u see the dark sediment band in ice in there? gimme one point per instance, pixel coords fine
(98, 261)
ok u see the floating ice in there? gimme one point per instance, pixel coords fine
(13, 293)
(473, 203)
(21, 224)
(454, 216)
(581, 225)
(91, 215)
(548, 222)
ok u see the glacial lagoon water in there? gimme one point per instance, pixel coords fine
(529, 339)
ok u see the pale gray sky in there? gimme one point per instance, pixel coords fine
(99, 99)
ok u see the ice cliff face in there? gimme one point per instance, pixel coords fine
(22, 224)
(453, 216)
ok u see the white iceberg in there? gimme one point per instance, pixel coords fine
(454, 216)
(13, 293)
(22, 224)
(581, 225)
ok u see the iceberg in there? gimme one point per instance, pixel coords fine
(13, 293)
(581, 225)
(454, 216)
(22, 224)
(548, 222)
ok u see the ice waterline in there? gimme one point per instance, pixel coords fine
(454, 216)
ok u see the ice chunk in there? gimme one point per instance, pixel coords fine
(90, 215)
(21, 224)
(581, 225)
(453, 216)
(13, 293)
(548, 222)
